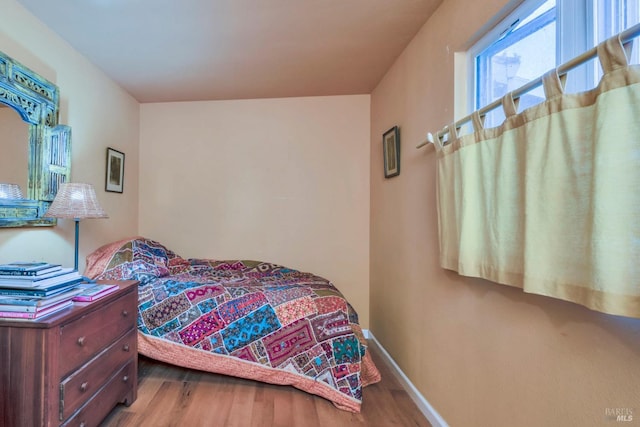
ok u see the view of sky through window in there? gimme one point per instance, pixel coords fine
(529, 48)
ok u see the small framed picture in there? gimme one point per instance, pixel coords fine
(391, 149)
(115, 171)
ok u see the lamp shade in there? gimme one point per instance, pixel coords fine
(10, 191)
(77, 201)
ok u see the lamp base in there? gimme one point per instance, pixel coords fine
(75, 264)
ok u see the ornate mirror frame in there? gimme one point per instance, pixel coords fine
(37, 102)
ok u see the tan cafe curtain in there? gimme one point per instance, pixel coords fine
(550, 200)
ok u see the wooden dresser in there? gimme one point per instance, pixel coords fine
(73, 367)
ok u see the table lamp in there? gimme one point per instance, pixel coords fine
(77, 201)
(10, 191)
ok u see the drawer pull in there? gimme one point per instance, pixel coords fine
(125, 378)
(83, 424)
(125, 347)
(125, 313)
(81, 341)
(84, 386)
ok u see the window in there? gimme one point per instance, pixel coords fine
(539, 36)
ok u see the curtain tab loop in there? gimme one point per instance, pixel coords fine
(453, 131)
(437, 141)
(478, 121)
(553, 83)
(613, 54)
(510, 105)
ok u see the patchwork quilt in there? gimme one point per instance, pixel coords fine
(248, 319)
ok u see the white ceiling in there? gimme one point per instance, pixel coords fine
(188, 50)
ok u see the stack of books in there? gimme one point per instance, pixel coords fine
(30, 290)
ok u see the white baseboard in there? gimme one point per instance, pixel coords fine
(423, 405)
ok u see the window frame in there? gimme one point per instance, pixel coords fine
(502, 43)
(577, 31)
(503, 27)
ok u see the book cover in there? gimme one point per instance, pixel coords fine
(46, 311)
(26, 308)
(36, 279)
(18, 308)
(40, 292)
(24, 266)
(33, 301)
(9, 274)
(95, 292)
(39, 284)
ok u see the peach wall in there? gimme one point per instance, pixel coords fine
(100, 114)
(482, 354)
(280, 180)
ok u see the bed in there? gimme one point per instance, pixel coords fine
(248, 319)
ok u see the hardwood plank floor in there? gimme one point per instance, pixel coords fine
(171, 396)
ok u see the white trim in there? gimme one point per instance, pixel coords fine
(423, 405)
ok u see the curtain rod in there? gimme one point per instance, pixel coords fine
(625, 37)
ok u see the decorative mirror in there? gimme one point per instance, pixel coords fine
(36, 101)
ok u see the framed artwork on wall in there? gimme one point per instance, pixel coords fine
(114, 180)
(391, 150)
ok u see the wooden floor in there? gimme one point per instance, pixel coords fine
(172, 396)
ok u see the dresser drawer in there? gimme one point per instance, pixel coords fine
(86, 336)
(38, 356)
(82, 384)
(114, 391)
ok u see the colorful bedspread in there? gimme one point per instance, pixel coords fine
(248, 319)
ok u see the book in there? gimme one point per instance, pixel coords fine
(34, 301)
(40, 291)
(39, 283)
(44, 312)
(34, 279)
(24, 266)
(9, 274)
(30, 308)
(94, 292)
